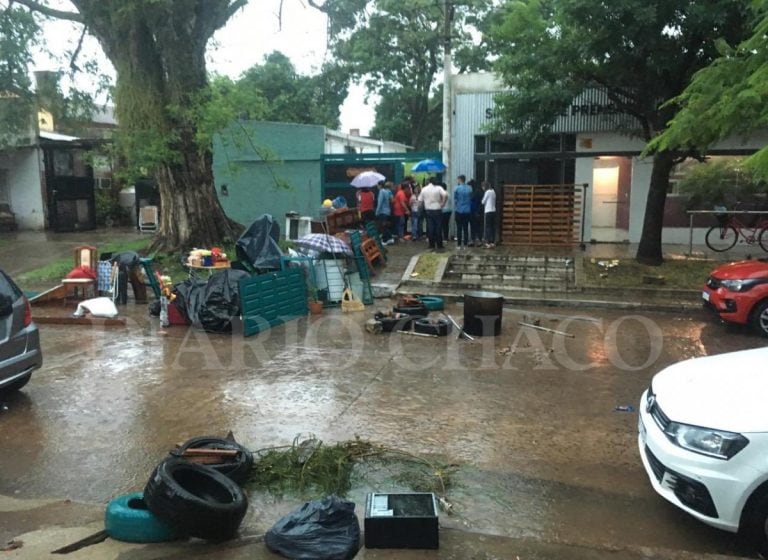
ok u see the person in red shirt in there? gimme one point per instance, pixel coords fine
(400, 210)
(365, 204)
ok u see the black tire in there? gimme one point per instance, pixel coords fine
(762, 238)
(721, 239)
(438, 327)
(237, 468)
(754, 524)
(389, 324)
(759, 318)
(196, 500)
(413, 310)
(16, 385)
(128, 519)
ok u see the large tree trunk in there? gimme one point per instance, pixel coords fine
(158, 51)
(649, 250)
(190, 213)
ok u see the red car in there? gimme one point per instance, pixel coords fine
(738, 293)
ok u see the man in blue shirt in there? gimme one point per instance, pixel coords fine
(462, 206)
(384, 213)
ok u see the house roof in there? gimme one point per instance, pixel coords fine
(55, 137)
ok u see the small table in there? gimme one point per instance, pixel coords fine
(218, 266)
(75, 285)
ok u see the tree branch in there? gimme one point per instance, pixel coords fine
(236, 5)
(50, 12)
(73, 67)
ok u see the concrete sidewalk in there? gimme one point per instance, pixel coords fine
(39, 527)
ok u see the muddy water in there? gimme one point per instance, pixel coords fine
(529, 415)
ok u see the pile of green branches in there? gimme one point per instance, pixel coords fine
(308, 466)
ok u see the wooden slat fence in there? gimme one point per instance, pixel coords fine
(542, 214)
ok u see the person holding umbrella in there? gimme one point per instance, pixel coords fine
(366, 202)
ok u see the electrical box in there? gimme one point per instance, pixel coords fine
(401, 521)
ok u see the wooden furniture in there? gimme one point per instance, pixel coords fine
(7, 218)
(148, 219)
(342, 219)
(79, 288)
(371, 253)
(86, 257)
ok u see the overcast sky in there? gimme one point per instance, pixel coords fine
(252, 33)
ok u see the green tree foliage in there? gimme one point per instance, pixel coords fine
(18, 34)
(291, 97)
(727, 98)
(157, 48)
(641, 52)
(395, 49)
(393, 120)
(721, 182)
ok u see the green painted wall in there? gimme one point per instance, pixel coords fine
(274, 171)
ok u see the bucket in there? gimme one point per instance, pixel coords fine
(482, 313)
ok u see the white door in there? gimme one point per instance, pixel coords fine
(605, 193)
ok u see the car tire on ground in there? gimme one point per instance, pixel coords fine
(754, 525)
(760, 318)
(196, 500)
(437, 327)
(413, 310)
(16, 385)
(238, 468)
(432, 303)
(128, 519)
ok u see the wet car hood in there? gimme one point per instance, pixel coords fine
(724, 392)
(755, 268)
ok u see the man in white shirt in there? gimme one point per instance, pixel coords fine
(489, 205)
(434, 197)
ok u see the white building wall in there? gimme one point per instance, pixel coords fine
(24, 172)
(473, 106)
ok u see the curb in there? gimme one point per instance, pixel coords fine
(667, 307)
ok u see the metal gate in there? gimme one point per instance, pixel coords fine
(542, 214)
(272, 299)
(71, 205)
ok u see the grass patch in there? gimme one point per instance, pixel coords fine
(58, 269)
(426, 266)
(687, 274)
(310, 468)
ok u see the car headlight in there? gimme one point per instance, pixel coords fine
(712, 443)
(739, 285)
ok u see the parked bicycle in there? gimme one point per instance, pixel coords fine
(732, 230)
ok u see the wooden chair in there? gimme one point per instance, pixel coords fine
(148, 220)
(85, 256)
(371, 253)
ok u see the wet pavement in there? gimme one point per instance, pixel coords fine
(547, 467)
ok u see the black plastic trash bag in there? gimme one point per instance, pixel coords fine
(211, 305)
(324, 529)
(257, 248)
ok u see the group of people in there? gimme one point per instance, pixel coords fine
(408, 205)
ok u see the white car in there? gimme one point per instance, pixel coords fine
(703, 439)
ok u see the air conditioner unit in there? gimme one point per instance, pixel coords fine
(297, 226)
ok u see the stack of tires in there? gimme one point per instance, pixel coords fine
(185, 499)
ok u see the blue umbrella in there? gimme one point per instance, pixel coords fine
(429, 165)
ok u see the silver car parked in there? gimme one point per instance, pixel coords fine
(20, 352)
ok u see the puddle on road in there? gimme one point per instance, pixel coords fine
(543, 453)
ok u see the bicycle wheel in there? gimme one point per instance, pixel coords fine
(762, 238)
(721, 239)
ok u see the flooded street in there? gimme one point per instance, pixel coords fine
(529, 416)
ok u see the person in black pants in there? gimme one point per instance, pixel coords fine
(476, 215)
